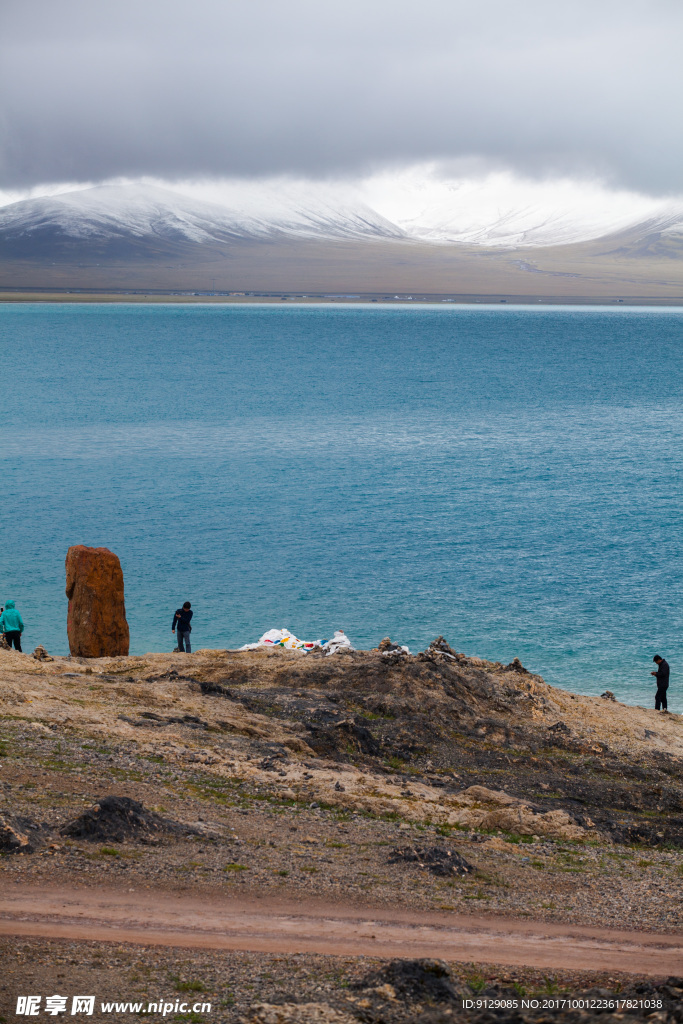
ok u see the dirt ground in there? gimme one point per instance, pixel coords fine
(303, 988)
(365, 780)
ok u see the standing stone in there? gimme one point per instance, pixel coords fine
(96, 620)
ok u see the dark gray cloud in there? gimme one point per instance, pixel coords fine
(178, 88)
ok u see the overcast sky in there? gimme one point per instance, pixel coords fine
(189, 88)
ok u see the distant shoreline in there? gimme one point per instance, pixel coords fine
(203, 298)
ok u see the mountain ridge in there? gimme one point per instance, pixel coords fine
(259, 211)
(119, 237)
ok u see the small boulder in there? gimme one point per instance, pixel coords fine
(421, 981)
(516, 666)
(19, 834)
(96, 619)
(436, 859)
(608, 695)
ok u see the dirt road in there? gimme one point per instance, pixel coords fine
(150, 918)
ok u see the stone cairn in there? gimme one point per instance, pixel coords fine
(40, 654)
(96, 620)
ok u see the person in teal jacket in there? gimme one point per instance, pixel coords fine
(12, 625)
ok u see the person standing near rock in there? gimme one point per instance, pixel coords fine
(181, 622)
(12, 625)
(662, 675)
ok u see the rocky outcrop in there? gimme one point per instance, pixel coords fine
(96, 620)
(483, 808)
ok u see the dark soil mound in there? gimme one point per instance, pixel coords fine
(345, 737)
(19, 834)
(117, 818)
(437, 859)
(427, 981)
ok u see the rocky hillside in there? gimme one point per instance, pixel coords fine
(435, 738)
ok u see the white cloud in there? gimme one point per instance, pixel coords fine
(254, 88)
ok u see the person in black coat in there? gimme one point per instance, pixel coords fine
(181, 622)
(662, 675)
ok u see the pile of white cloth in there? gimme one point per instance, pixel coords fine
(339, 642)
(285, 638)
(282, 638)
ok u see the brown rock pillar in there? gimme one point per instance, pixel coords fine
(96, 620)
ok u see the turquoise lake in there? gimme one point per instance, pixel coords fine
(509, 477)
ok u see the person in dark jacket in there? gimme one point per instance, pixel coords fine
(181, 623)
(662, 675)
(12, 625)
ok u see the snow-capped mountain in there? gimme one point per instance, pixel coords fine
(502, 210)
(143, 219)
(110, 212)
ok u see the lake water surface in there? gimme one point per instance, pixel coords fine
(509, 477)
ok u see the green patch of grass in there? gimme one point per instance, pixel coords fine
(235, 867)
(309, 868)
(283, 873)
(538, 864)
(549, 987)
(645, 863)
(477, 982)
(337, 846)
(514, 837)
(447, 830)
(188, 986)
(111, 851)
